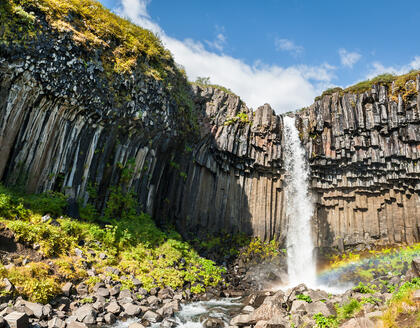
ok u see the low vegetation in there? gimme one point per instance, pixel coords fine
(242, 118)
(402, 305)
(204, 82)
(400, 86)
(372, 265)
(121, 238)
(92, 25)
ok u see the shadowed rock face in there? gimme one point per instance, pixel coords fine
(60, 129)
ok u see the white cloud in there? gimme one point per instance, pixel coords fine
(288, 45)
(285, 88)
(377, 68)
(219, 41)
(348, 58)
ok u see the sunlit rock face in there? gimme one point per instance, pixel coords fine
(364, 151)
(61, 128)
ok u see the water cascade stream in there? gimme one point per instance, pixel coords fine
(300, 259)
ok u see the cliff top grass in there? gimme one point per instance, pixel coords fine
(92, 25)
(397, 82)
(204, 82)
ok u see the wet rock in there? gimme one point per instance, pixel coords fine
(152, 317)
(169, 309)
(75, 324)
(136, 325)
(213, 323)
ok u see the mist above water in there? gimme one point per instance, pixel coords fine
(299, 209)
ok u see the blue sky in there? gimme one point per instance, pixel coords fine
(282, 52)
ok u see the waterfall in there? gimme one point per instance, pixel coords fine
(300, 259)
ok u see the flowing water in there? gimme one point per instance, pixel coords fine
(300, 258)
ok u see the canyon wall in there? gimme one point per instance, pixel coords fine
(64, 127)
(364, 151)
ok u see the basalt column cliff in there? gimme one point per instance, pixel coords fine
(75, 121)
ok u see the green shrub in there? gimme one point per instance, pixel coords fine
(348, 310)
(364, 289)
(303, 297)
(325, 322)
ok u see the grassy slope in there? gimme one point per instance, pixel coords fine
(133, 244)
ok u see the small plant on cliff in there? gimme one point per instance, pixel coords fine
(242, 118)
(303, 297)
(205, 83)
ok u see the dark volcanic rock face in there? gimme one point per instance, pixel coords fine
(364, 151)
(65, 127)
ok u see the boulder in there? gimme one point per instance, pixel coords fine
(75, 324)
(320, 307)
(113, 307)
(359, 323)
(85, 313)
(36, 308)
(213, 323)
(415, 266)
(152, 317)
(114, 291)
(169, 308)
(256, 299)
(8, 286)
(242, 320)
(136, 325)
(17, 320)
(110, 318)
(56, 323)
(82, 289)
(103, 291)
(132, 309)
(298, 306)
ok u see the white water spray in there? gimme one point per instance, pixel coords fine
(300, 259)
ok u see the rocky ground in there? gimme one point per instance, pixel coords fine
(107, 302)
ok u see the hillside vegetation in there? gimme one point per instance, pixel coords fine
(397, 85)
(122, 238)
